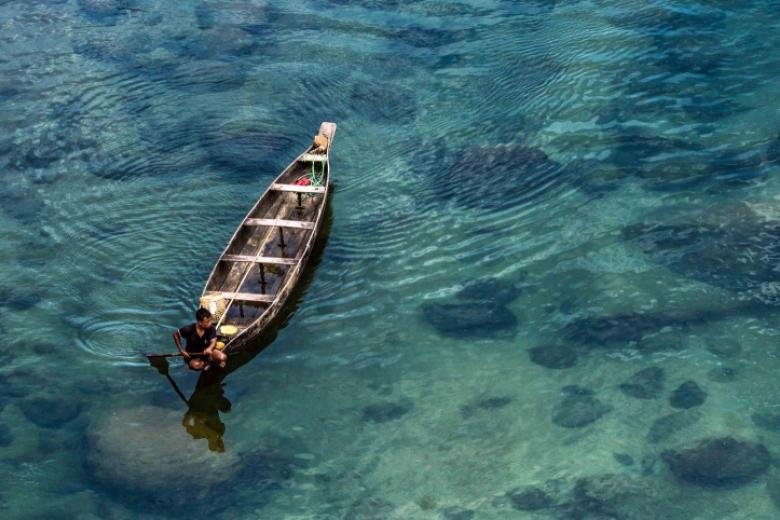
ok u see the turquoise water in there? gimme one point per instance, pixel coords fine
(548, 290)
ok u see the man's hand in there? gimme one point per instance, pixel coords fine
(186, 355)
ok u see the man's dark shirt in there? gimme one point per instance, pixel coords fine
(197, 344)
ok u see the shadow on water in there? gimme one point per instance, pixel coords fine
(202, 419)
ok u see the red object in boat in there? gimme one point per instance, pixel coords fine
(303, 181)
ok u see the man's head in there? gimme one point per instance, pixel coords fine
(203, 317)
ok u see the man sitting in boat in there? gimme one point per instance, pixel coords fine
(201, 338)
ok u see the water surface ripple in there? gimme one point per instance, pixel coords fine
(548, 288)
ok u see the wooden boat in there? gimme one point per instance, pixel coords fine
(267, 254)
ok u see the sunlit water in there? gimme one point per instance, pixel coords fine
(533, 202)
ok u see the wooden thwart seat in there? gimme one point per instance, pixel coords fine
(279, 223)
(259, 259)
(300, 189)
(248, 297)
(313, 157)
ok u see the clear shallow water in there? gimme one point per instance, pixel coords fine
(609, 166)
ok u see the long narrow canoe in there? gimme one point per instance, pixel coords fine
(266, 256)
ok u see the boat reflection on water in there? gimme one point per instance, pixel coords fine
(202, 419)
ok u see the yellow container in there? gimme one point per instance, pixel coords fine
(228, 330)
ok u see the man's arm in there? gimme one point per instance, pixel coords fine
(177, 340)
(211, 345)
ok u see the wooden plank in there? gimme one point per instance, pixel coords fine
(298, 189)
(314, 157)
(259, 259)
(328, 130)
(300, 224)
(249, 297)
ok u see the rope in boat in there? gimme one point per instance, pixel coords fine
(313, 178)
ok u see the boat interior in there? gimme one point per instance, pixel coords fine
(268, 245)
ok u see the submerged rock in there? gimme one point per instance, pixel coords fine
(469, 319)
(457, 513)
(6, 437)
(767, 420)
(489, 290)
(644, 384)
(719, 462)
(725, 348)
(19, 300)
(666, 426)
(147, 449)
(554, 356)
(530, 498)
(207, 76)
(773, 489)
(246, 147)
(730, 247)
(688, 395)
(579, 407)
(624, 459)
(385, 412)
(49, 413)
(490, 403)
(493, 403)
(497, 177)
(382, 102)
(601, 331)
(611, 495)
(105, 11)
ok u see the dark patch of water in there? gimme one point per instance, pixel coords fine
(485, 404)
(530, 498)
(723, 462)
(50, 413)
(19, 300)
(383, 102)
(106, 12)
(731, 248)
(242, 149)
(470, 320)
(665, 427)
(578, 408)
(769, 421)
(207, 76)
(603, 331)
(490, 289)
(457, 513)
(721, 374)
(6, 437)
(688, 395)
(644, 384)
(554, 356)
(624, 459)
(217, 44)
(495, 177)
(230, 13)
(386, 411)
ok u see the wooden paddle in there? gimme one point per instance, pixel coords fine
(151, 355)
(160, 362)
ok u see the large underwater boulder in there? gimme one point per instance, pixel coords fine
(732, 247)
(147, 449)
(50, 413)
(471, 319)
(497, 177)
(719, 462)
